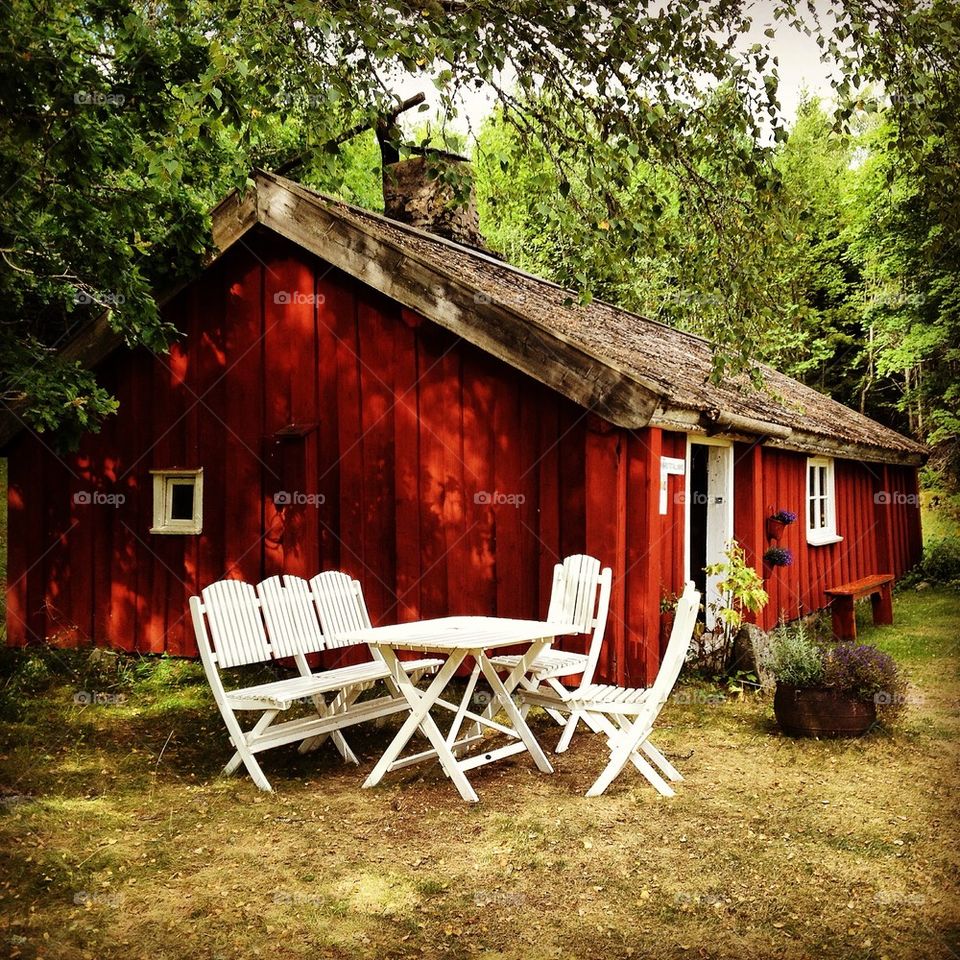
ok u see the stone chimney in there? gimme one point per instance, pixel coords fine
(415, 192)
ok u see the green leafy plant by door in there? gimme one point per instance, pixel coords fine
(740, 591)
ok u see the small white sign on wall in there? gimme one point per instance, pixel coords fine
(668, 466)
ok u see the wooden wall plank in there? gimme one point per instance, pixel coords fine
(243, 453)
(406, 418)
(602, 465)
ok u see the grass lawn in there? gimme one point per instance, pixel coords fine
(119, 840)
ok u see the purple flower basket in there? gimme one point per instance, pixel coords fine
(778, 557)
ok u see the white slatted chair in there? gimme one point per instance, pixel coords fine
(580, 595)
(230, 632)
(234, 626)
(635, 710)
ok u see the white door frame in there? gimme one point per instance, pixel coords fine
(725, 516)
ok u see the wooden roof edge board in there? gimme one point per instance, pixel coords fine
(232, 217)
(801, 441)
(492, 327)
(798, 441)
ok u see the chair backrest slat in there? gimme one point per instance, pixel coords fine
(235, 623)
(305, 614)
(340, 605)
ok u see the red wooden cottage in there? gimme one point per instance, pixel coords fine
(356, 393)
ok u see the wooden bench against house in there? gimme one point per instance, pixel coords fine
(878, 587)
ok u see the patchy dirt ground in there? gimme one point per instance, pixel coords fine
(119, 841)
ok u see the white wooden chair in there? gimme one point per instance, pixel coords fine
(580, 595)
(231, 622)
(635, 710)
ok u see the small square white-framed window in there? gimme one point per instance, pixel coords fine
(821, 503)
(177, 501)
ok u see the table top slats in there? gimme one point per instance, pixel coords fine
(460, 633)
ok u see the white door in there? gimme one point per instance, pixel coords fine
(709, 513)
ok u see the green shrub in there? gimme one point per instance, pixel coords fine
(940, 563)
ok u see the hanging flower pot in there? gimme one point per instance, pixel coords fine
(778, 557)
(776, 523)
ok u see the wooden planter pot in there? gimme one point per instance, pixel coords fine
(821, 712)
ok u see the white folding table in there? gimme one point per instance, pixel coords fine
(459, 638)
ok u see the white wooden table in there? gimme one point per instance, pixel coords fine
(459, 638)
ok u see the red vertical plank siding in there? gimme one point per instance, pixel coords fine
(407, 480)
(644, 536)
(573, 486)
(207, 389)
(58, 604)
(432, 485)
(160, 565)
(528, 509)
(479, 391)
(375, 343)
(508, 469)
(242, 379)
(19, 534)
(446, 422)
(127, 462)
(603, 536)
(548, 526)
(337, 299)
(287, 312)
(172, 567)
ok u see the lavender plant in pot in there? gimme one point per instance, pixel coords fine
(778, 557)
(832, 691)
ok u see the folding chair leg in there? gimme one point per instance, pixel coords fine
(619, 760)
(241, 742)
(602, 724)
(341, 702)
(567, 735)
(661, 761)
(666, 767)
(623, 750)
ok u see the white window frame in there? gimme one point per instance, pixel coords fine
(825, 490)
(163, 483)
